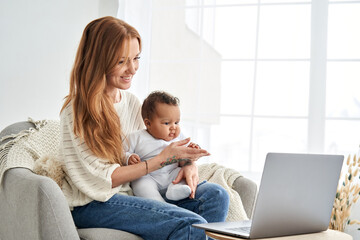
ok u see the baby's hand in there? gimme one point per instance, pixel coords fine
(134, 159)
(194, 145)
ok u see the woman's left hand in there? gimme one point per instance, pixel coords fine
(190, 173)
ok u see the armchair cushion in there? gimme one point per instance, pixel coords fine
(105, 233)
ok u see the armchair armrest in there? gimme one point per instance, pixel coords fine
(247, 190)
(33, 207)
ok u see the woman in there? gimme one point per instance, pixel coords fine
(96, 117)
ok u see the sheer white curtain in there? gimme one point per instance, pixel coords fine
(256, 76)
(138, 14)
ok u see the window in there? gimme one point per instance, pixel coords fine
(255, 76)
(342, 134)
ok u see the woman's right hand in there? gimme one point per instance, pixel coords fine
(177, 152)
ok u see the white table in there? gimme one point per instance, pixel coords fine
(326, 235)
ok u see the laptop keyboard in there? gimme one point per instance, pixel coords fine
(240, 229)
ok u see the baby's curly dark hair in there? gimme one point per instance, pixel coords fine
(148, 108)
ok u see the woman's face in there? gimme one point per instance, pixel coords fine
(121, 76)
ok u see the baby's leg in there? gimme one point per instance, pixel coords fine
(146, 187)
(178, 191)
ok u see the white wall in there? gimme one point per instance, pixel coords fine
(38, 42)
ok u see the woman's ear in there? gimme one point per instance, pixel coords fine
(147, 122)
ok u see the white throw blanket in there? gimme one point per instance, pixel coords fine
(36, 149)
(225, 177)
(29, 145)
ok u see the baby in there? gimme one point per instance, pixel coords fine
(161, 115)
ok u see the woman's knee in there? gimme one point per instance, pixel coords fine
(197, 220)
(214, 191)
(185, 230)
(222, 194)
(214, 202)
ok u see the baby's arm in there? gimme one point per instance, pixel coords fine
(133, 159)
(132, 140)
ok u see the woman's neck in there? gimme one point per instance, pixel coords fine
(114, 95)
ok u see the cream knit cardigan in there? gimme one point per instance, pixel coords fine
(88, 177)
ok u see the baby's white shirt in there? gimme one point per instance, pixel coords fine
(146, 146)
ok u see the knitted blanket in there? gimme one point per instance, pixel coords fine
(225, 177)
(29, 145)
(37, 149)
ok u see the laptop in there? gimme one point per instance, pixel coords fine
(296, 196)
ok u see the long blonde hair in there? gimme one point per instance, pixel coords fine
(102, 45)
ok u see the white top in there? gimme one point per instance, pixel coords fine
(88, 177)
(146, 146)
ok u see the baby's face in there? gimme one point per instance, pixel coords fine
(165, 123)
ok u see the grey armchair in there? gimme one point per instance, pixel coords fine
(34, 207)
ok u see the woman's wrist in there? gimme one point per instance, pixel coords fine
(155, 163)
(147, 167)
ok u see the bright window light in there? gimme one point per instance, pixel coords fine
(249, 80)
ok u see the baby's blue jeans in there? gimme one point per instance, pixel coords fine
(151, 219)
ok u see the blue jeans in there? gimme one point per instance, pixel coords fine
(151, 219)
